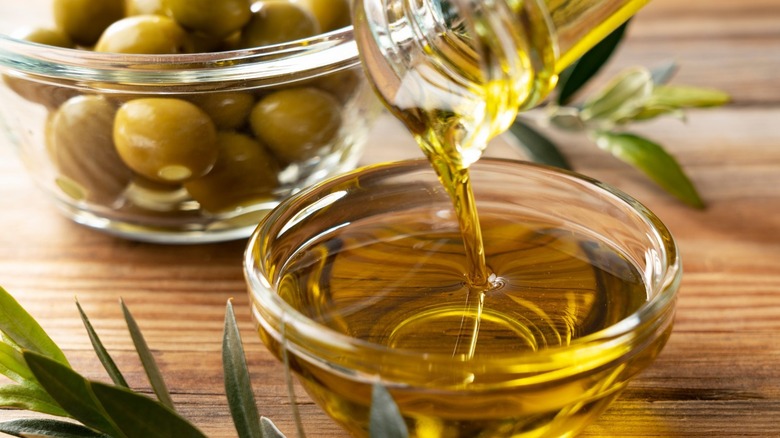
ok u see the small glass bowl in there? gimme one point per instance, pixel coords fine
(530, 383)
(74, 161)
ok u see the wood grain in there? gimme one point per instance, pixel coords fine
(719, 376)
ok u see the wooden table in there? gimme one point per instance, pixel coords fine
(718, 376)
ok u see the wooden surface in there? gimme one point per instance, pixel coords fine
(719, 376)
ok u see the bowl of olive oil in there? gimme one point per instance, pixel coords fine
(368, 278)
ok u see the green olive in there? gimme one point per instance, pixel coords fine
(295, 123)
(145, 34)
(217, 18)
(228, 110)
(145, 7)
(277, 22)
(165, 139)
(245, 172)
(153, 196)
(50, 96)
(330, 14)
(85, 20)
(341, 84)
(45, 36)
(80, 141)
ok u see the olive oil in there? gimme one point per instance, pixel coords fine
(392, 281)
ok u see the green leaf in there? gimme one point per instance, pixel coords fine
(29, 397)
(140, 416)
(664, 73)
(654, 161)
(24, 330)
(13, 366)
(147, 359)
(238, 386)
(585, 68)
(26, 427)
(71, 391)
(538, 147)
(385, 417)
(683, 96)
(622, 98)
(100, 350)
(269, 429)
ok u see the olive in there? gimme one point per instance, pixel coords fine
(296, 122)
(85, 20)
(165, 139)
(145, 7)
(80, 141)
(154, 196)
(45, 36)
(228, 110)
(50, 96)
(277, 22)
(145, 34)
(341, 84)
(330, 14)
(217, 18)
(245, 172)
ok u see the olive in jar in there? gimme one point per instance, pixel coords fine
(167, 140)
(277, 22)
(216, 18)
(296, 123)
(145, 34)
(85, 20)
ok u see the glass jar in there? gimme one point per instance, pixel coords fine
(59, 107)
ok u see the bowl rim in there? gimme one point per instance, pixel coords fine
(583, 353)
(268, 65)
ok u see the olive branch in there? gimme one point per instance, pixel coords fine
(635, 95)
(45, 382)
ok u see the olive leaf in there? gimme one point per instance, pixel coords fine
(29, 397)
(44, 427)
(147, 359)
(581, 71)
(72, 392)
(654, 161)
(269, 429)
(238, 387)
(622, 98)
(140, 416)
(683, 96)
(13, 366)
(538, 147)
(19, 327)
(100, 350)
(385, 417)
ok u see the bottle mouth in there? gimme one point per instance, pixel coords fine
(651, 321)
(235, 70)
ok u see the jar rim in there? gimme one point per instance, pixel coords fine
(584, 353)
(243, 68)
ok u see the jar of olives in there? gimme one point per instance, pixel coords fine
(181, 121)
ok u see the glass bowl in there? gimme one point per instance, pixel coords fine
(61, 108)
(359, 280)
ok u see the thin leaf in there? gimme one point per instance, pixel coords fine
(71, 391)
(100, 350)
(269, 429)
(140, 416)
(581, 71)
(683, 96)
(622, 98)
(238, 386)
(664, 73)
(13, 366)
(29, 397)
(538, 147)
(41, 427)
(654, 161)
(147, 359)
(288, 380)
(385, 417)
(24, 330)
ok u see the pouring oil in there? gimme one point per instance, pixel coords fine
(489, 286)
